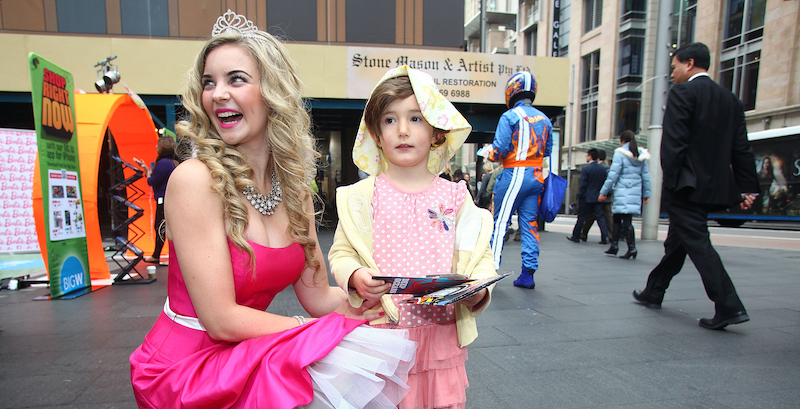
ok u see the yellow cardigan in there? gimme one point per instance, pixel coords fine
(352, 249)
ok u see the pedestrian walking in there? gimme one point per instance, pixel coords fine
(524, 137)
(708, 165)
(629, 178)
(592, 177)
(607, 214)
(484, 196)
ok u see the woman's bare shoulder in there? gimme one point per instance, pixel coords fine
(191, 169)
(190, 179)
(192, 207)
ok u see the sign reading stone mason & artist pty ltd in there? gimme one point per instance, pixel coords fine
(460, 76)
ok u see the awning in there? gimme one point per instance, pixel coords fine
(608, 145)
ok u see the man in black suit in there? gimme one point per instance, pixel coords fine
(587, 225)
(592, 177)
(708, 166)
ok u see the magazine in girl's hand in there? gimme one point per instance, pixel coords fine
(417, 286)
(456, 293)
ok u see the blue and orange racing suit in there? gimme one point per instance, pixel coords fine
(524, 137)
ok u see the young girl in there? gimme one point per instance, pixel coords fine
(409, 222)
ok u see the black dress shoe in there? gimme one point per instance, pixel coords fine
(720, 322)
(574, 240)
(641, 299)
(603, 242)
(509, 232)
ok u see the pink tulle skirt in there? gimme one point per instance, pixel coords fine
(439, 376)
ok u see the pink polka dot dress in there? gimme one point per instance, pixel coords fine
(413, 236)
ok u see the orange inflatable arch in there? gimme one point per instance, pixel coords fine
(135, 136)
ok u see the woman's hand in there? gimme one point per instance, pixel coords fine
(359, 313)
(603, 197)
(143, 166)
(369, 289)
(646, 199)
(140, 162)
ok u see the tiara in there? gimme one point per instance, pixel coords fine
(231, 21)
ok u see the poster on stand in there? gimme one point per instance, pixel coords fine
(54, 115)
(17, 161)
(66, 211)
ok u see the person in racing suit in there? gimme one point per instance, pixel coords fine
(522, 140)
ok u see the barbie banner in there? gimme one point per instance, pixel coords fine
(17, 161)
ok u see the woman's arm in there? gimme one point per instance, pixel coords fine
(196, 227)
(343, 258)
(613, 175)
(159, 174)
(312, 289)
(645, 181)
(319, 298)
(147, 170)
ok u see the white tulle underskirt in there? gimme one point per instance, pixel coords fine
(368, 369)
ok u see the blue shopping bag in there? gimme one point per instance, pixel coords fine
(554, 189)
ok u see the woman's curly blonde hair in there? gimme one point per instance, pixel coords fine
(293, 154)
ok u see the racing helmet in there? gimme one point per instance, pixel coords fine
(520, 85)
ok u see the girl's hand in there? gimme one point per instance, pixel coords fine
(369, 289)
(475, 299)
(359, 313)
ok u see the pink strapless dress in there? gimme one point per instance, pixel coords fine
(331, 362)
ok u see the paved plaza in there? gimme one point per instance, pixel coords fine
(576, 341)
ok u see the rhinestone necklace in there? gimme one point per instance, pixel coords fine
(265, 204)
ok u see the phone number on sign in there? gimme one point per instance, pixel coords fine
(455, 93)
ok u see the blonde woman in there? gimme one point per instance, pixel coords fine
(234, 248)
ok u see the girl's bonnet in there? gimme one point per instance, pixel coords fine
(436, 109)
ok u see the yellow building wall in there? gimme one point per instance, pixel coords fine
(152, 66)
